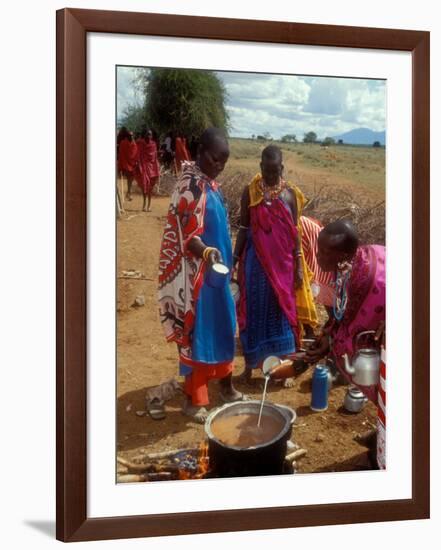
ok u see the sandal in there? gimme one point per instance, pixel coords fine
(156, 409)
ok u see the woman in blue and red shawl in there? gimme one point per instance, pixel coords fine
(199, 318)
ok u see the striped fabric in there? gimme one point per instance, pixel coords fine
(323, 280)
(381, 419)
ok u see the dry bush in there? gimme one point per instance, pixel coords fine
(167, 183)
(232, 188)
(325, 202)
(330, 204)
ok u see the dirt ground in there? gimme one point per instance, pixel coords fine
(145, 360)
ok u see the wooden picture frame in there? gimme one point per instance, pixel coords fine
(72, 28)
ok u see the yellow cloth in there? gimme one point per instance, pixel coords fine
(306, 310)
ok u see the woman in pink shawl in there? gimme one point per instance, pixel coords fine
(147, 173)
(360, 293)
(268, 252)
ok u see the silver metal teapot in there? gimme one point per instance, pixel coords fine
(355, 400)
(365, 362)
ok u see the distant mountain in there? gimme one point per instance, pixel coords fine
(362, 136)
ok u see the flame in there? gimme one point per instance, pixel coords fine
(203, 461)
(202, 465)
(184, 474)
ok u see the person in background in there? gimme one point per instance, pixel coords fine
(128, 160)
(122, 134)
(193, 147)
(275, 295)
(181, 153)
(147, 173)
(200, 318)
(167, 151)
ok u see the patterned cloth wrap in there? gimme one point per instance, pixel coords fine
(323, 281)
(181, 274)
(366, 306)
(381, 418)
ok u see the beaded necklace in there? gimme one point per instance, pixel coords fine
(341, 297)
(269, 193)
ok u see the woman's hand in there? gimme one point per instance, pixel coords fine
(214, 257)
(197, 247)
(320, 349)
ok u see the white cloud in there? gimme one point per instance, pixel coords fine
(287, 104)
(327, 96)
(282, 104)
(127, 92)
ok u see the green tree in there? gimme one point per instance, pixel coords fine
(310, 137)
(328, 141)
(289, 138)
(134, 119)
(184, 101)
(376, 144)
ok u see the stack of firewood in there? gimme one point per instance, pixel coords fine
(169, 465)
(152, 467)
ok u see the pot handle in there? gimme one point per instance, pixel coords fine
(292, 412)
(360, 334)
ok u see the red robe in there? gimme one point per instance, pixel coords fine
(127, 157)
(181, 153)
(148, 166)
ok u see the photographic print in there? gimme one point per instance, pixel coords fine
(251, 274)
(221, 273)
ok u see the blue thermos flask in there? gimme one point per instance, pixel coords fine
(319, 395)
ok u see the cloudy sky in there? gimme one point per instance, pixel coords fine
(285, 104)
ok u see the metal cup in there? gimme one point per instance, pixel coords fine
(217, 275)
(269, 363)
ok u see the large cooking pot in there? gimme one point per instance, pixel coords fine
(264, 459)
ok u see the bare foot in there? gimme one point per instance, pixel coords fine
(232, 395)
(129, 197)
(246, 378)
(144, 209)
(197, 414)
(149, 209)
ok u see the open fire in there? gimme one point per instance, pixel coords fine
(194, 467)
(182, 465)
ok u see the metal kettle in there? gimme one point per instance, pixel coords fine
(365, 362)
(355, 400)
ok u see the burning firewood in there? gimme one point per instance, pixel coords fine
(168, 454)
(160, 476)
(296, 455)
(174, 464)
(148, 467)
(131, 478)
